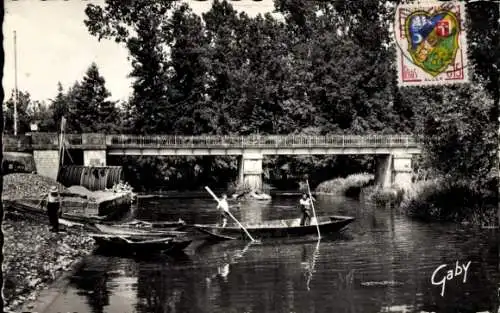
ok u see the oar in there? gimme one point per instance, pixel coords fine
(314, 211)
(229, 213)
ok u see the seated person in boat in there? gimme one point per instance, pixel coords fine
(224, 208)
(305, 208)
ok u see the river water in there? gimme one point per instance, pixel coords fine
(383, 263)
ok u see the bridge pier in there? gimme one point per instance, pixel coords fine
(94, 157)
(393, 170)
(402, 170)
(250, 171)
(383, 166)
(47, 162)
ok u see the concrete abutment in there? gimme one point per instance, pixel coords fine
(250, 171)
(394, 170)
(47, 162)
(94, 157)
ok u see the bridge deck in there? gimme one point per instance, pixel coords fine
(48, 141)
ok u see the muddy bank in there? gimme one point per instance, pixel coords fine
(34, 257)
(27, 186)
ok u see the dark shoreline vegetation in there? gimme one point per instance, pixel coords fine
(226, 73)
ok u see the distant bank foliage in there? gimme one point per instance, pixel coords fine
(439, 200)
(349, 185)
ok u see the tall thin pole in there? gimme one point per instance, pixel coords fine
(16, 94)
(314, 211)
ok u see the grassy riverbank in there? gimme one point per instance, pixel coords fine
(439, 200)
(348, 186)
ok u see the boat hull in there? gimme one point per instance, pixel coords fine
(288, 228)
(129, 231)
(127, 245)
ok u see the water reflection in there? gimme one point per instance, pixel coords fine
(309, 264)
(103, 281)
(224, 269)
(158, 288)
(253, 211)
(383, 263)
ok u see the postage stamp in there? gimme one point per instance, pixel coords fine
(431, 43)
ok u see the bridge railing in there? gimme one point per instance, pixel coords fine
(273, 141)
(16, 143)
(100, 141)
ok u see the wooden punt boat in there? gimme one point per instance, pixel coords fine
(126, 244)
(277, 228)
(128, 231)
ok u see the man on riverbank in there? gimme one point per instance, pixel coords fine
(53, 208)
(224, 208)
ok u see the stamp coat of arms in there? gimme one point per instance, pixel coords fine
(431, 44)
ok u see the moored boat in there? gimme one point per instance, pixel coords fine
(128, 231)
(278, 228)
(136, 244)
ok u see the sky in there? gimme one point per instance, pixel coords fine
(54, 45)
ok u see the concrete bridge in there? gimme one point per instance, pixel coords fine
(393, 153)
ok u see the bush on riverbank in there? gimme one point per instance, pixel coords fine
(382, 197)
(348, 186)
(34, 257)
(442, 200)
(439, 200)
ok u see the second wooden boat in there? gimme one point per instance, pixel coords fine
(139, 244)
(128, 231)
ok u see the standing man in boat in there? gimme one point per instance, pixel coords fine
(305, 204)
(224, 208)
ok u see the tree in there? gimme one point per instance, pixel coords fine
(42, 114)
(140, 25)
(23, 119)
(59, 105)
(458, 142)
(89, 110)
(484, 44)
(188, 67)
